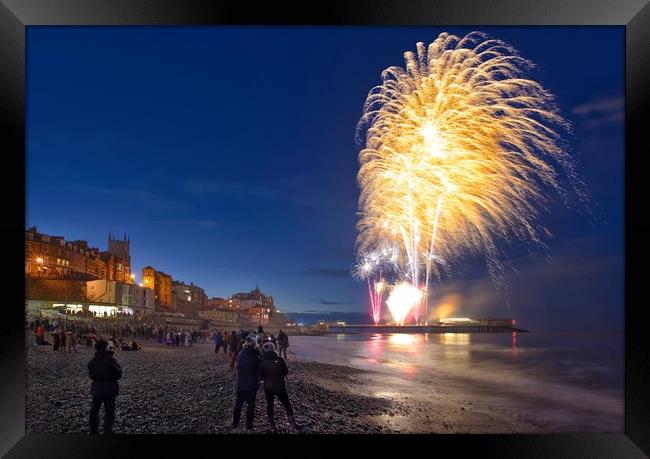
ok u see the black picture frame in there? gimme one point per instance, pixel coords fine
(634, 15)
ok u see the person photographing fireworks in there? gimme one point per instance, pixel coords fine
(104, 371)
(273, 370)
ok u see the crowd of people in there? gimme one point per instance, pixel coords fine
(231, 343)
(64, 333)
(254, 355)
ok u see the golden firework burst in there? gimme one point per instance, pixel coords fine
(460, 149)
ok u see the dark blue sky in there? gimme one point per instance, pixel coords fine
(228, 156)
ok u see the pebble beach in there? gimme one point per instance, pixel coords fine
(191, 390)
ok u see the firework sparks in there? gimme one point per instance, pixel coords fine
(372, 266)
(459, 149)
(402, 299)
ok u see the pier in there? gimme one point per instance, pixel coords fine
(469, 328)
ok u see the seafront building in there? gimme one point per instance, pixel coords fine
(188, 299)
(71, 276)
(161, 283)
(120, 293)
(52, 257)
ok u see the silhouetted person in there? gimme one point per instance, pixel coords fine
(234, 348)
(273, 369)
(104, 371)
(248, 368)
(283, 343)
(217, 341)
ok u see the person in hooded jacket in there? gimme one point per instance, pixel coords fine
(104, 371)
(273, 369)
(248, 369)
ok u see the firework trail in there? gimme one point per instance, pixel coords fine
(460, 150)
(375, 266)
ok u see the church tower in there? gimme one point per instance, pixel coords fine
(119, 248)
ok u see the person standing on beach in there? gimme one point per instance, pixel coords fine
(234, 343)
(217, 341)
(55, 341)
(260, 336)
(248, 371)
(62, 339)
(283, 343)
(224, 342)
(104, 371)
(273, 369)
(40, 334)
(68, 341)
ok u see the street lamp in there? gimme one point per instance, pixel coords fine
(39, 260)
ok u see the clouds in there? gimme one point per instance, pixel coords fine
(148, 198)
(328, 302)
(580, 286)
(213, 187)
(332, 255)
(601, 110)
(327, 272)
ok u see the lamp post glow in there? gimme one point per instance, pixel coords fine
(40, 261)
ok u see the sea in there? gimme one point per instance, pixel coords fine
(566, 381)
